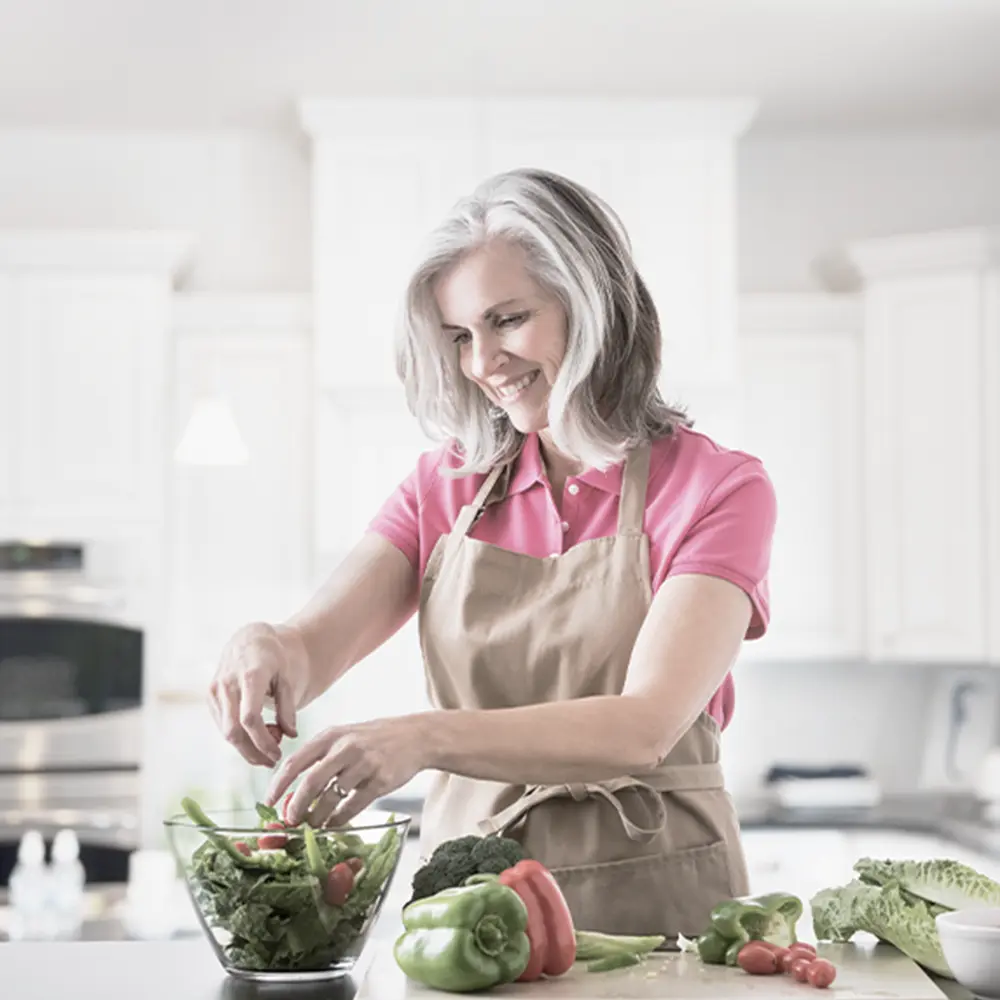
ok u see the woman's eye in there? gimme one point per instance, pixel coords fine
(461, 338)
(506, 322)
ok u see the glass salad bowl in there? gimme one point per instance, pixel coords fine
(286, 903)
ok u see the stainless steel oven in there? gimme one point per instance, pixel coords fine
(71, 675)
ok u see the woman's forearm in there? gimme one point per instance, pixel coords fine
(584, 739)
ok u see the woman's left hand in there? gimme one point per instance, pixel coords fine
(346, 768)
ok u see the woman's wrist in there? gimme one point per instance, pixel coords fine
(297, 660)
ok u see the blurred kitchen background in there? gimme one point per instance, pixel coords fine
(207, 211)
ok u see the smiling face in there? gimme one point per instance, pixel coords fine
(510, 334)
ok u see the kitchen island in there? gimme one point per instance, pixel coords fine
(188, 970)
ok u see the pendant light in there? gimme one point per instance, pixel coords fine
(212, 436)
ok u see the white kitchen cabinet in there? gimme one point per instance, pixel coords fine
(85, 343)
(991, 402)
(383, 174)
(801, 415)
(8, 410)
(927, 444)
(240, 535)
(668, 171)
(386, 171)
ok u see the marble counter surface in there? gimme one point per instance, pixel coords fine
(187, 970)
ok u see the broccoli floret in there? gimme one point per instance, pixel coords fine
(456, 860)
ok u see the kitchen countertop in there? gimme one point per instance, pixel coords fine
(189, 970)
(958, 818)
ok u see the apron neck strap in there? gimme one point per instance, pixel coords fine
(468, 514)
(632, 503)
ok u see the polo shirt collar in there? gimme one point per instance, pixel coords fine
(530, 469)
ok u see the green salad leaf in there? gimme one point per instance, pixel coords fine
(945, 882)
(898, 900)
(267, 910)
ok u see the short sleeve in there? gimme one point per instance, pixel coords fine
(398, 520)
(731, 538)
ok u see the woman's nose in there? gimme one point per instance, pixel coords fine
(485, 356)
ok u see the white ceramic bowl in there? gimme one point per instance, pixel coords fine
(970, 940)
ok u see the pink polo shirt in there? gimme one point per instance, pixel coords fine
(709, 510)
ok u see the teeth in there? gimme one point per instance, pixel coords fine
(512, 389)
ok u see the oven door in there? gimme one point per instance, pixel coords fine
(70, 736)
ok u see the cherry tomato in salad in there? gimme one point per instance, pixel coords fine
(339, 883)
(272, 841)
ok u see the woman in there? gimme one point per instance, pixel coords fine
(584, 565)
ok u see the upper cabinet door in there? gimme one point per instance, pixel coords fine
(92, 349)
(802, 418)
(926, 446)
(10, 419)
(377, 197)
(991, 372)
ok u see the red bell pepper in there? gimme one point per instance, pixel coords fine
(550, 923)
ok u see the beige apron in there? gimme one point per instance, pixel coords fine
(641, 854)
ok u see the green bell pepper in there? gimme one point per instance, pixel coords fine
(734, 922)
(467, 938)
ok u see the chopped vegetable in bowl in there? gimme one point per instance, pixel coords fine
(281, 902)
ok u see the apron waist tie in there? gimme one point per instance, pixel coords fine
(668, 778)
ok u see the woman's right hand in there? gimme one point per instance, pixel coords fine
(260, 663)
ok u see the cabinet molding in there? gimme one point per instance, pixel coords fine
(531, 118)
(920, 253)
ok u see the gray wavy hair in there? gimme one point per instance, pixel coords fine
(605, 399)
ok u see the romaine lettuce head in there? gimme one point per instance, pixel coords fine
(942, 881)
(888, 912)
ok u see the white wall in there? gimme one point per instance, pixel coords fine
(801, 198)
(244, 196)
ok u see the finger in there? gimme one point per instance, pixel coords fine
(354, 775)
(325, 805)
(232, 729)
(284, 708)
(253, 690)
(317, 779)
(294, 765)
(355, 803)
(342, 784)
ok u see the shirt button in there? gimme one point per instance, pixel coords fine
(565, 526)
(573, 489)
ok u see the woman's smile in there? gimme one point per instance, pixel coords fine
(513, 389)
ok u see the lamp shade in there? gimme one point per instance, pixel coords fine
(212, 436)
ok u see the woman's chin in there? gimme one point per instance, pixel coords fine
(527, 421)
